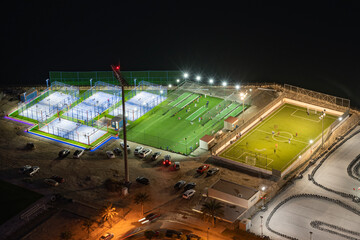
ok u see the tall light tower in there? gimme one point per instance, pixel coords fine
(122, 81)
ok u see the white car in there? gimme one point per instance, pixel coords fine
(51, 182)
(189, 193)
(78, 153)
(145, 153)
(138, 149)
(33, 170)
(128, 147)
(110, 154)
(24, 169)
(107, 236)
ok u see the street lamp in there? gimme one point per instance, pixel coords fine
(208, 233)
(311, 235)
(261, 226)
(242, 98)
(322, 116)
(170, 85)
(224, 85)
(263, 188)
(177, 80)
(237, 87)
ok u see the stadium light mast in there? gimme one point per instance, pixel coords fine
(186, 75)
(123, 82)
(198, 78)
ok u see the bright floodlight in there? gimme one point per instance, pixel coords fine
(263, 188)
(177, 80)
(237, 87)
(311, 141)
(170, 86)
(300, 156)
(241, 94)
(161, 91)
(250, 89)
(224, 84)
(340, 118)
(198, 78)
(186, 75)
(211, 81)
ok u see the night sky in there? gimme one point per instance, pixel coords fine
(314, 44)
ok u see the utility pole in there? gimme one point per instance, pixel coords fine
(122, 81)
(261, 226)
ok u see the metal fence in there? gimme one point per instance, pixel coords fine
(302, 94)
(83, 78)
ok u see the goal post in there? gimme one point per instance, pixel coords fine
(250, 160)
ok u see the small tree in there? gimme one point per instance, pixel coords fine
(88, 226)
(141, 198)
(212, 209)
(108, 214)
(66, 235)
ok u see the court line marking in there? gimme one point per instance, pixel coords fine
(304, 117)
(194, 112)
(239, 157)
(292, 138)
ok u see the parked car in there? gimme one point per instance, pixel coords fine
(156, 155)
(176, 166)
(63, 153)
(118, 151)
(189, 193)
(58, 179)
(145, 153)
(128, 147)
(30, 146)
(143, 180)
(167, 160)
(149, 218)
(24, 169)
(78, 153)
(110, 154)
(51, 182)
(32, 171)
(173, 233)
(107, 236)
(179, 184)
(203, 168)
(190, 185)
(212, 171)
(138, 149)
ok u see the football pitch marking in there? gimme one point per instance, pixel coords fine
(293, 114)
(260, 150)
(194, 113)
(268, 160)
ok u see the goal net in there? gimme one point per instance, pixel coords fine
(250, 160)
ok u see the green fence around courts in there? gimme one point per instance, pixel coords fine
(83, 78)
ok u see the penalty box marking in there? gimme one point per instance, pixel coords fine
(239, 157)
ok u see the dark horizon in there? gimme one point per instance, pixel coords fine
(310, 45)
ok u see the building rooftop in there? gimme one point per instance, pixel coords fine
(232, 120)
(207, 138)
(234, 189)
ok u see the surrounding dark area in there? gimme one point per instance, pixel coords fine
(312, 44)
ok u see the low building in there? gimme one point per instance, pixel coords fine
(117, 122)
(206, 142)
(235, 198)
(231, 123)
(234, 193)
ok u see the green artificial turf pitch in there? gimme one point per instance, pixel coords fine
(177, 130)
(267, 145)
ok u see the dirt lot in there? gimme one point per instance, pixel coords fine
(84, 178)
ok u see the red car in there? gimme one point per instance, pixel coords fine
(203, 168)
(167, 160)
(58, 179)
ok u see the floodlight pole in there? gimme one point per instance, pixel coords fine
(122, 82)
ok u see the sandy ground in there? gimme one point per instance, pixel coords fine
(84, 178)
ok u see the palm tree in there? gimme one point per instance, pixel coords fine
(212, 208)
(88, 225)
(66, 235)
(108, 214)
(141, 198)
